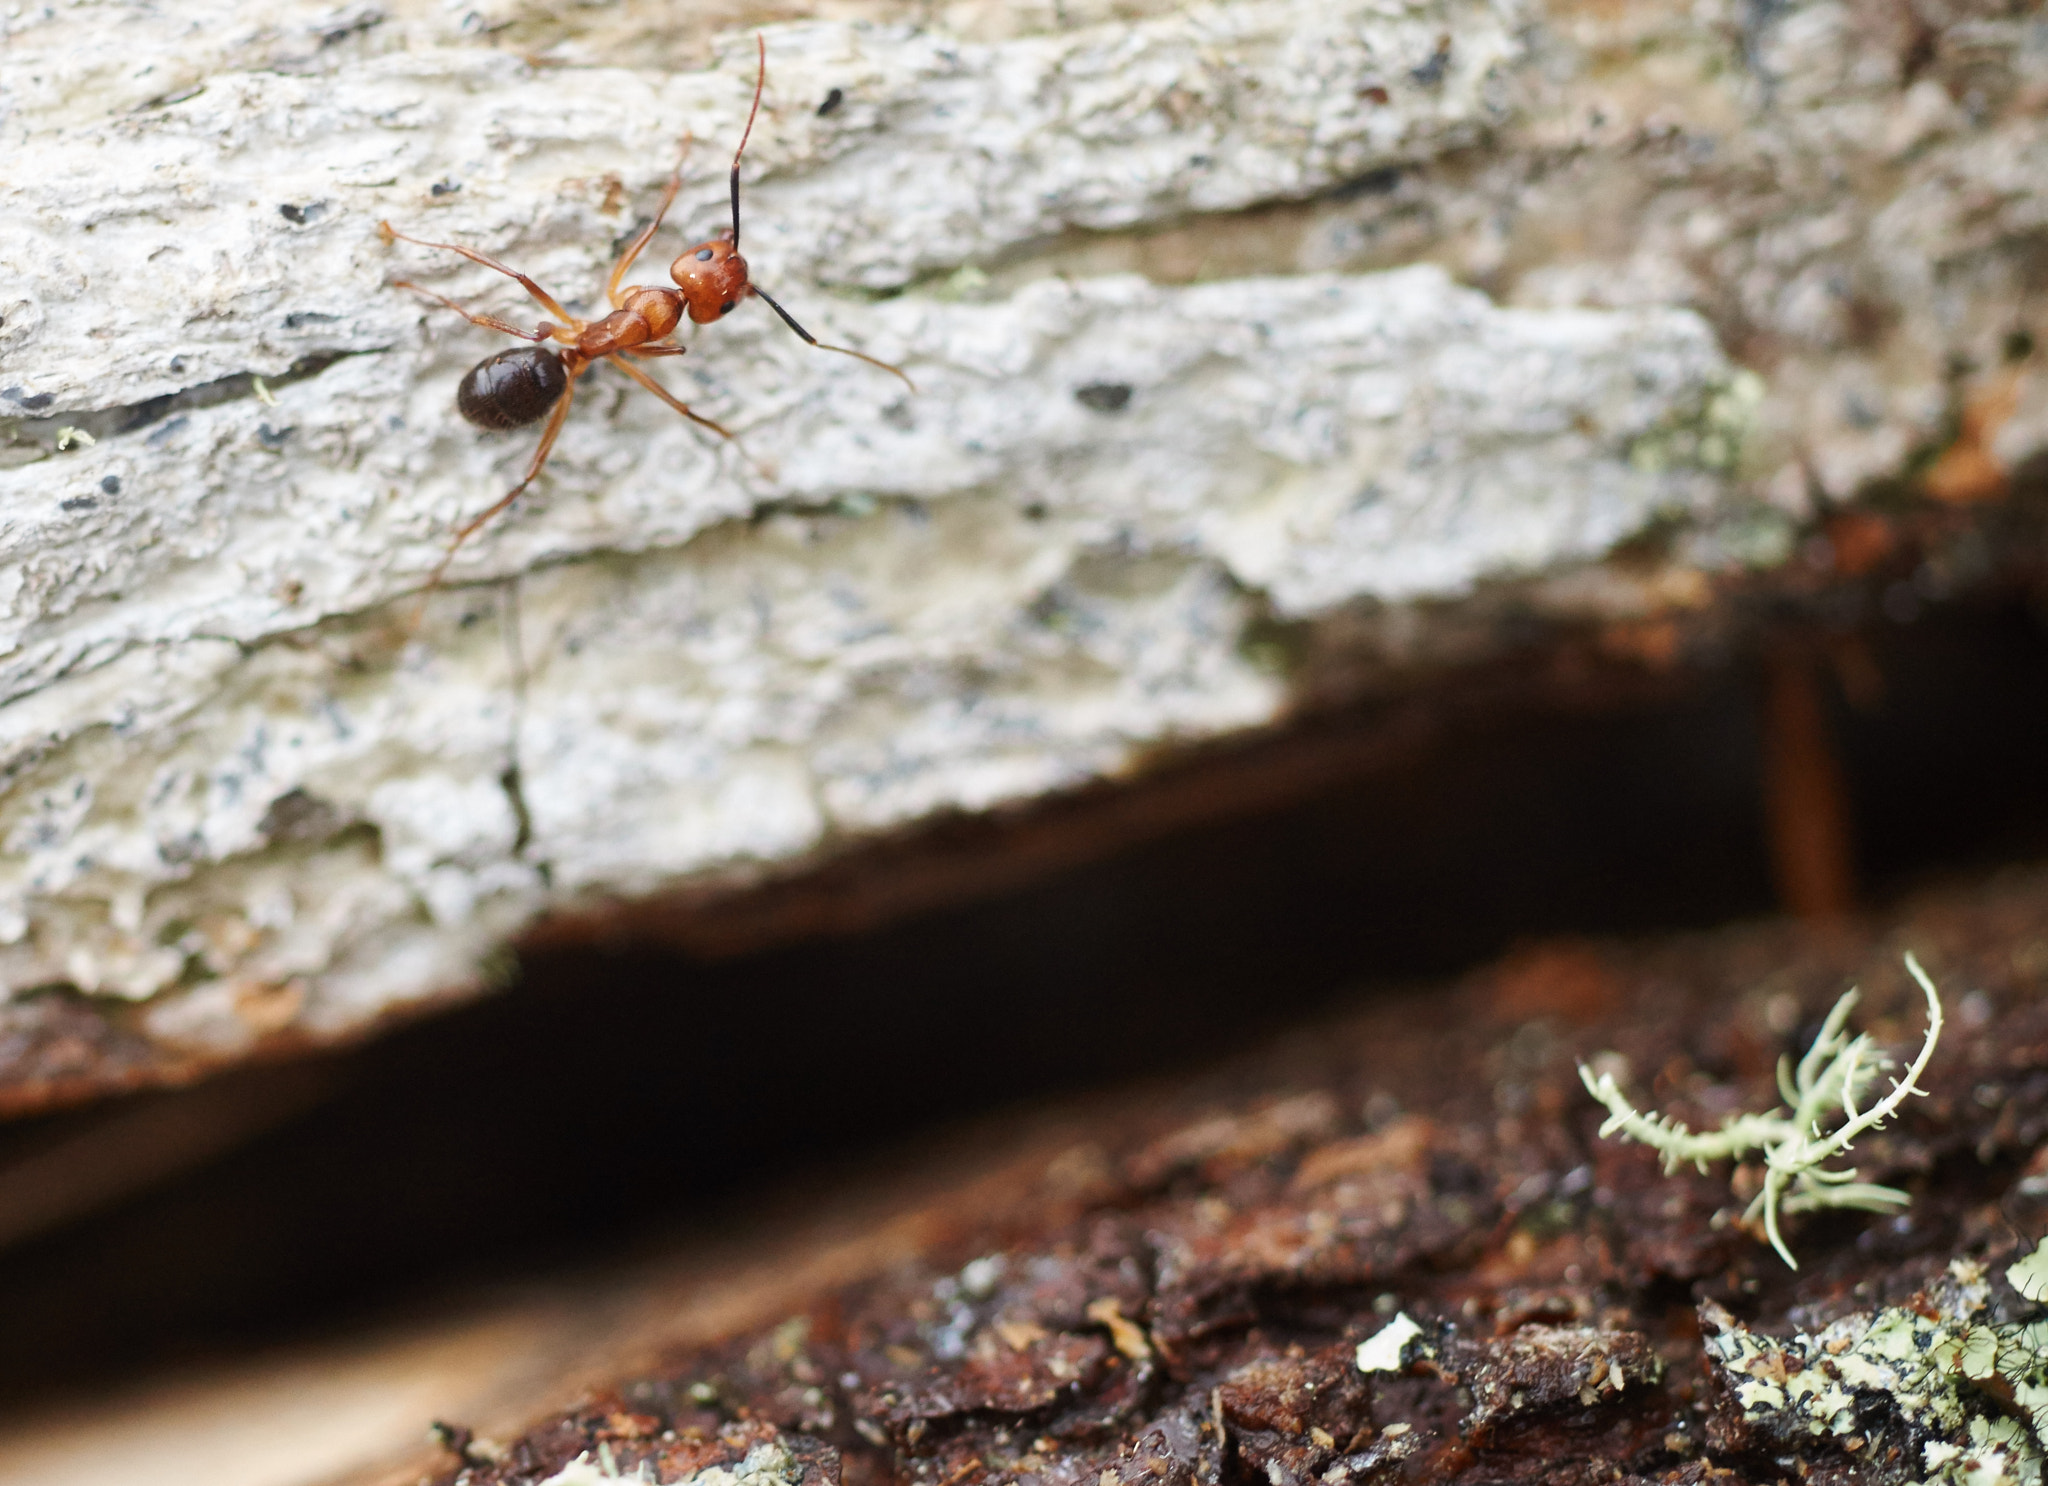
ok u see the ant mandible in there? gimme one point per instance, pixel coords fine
(518, 387)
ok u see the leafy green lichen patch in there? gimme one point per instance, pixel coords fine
(767, 1464)
(1929, 1387)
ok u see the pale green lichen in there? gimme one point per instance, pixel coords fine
(1709, 434)
(1829, 1084)
(766, 1465)
(1952, 1380)
(2030, 1275)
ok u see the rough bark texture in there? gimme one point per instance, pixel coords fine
(1183, 1296)
(1224, 315)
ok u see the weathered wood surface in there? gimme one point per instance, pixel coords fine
(1044, 1294)
(1222, 315)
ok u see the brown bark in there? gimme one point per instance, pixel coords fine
(1178, 1297)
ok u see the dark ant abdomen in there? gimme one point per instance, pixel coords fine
(513, 388)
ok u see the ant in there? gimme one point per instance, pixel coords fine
(518, 387)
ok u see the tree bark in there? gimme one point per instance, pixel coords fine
(1345, 319)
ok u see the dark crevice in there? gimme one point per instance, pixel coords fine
(513, 780)
(28, 434)
(614, 1092)
(515, 796)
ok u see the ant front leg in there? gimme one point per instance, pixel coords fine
(646, 235)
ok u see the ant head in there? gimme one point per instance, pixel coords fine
(713, 278)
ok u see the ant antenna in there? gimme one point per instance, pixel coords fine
(746, 286)
(809, 339)
(760, 78)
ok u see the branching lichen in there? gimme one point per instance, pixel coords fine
(1830, 1082)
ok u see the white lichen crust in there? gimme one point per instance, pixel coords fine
(1386, 1350)
(768, 1464)
(239, 782)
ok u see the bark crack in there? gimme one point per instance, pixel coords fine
(512, 781)
(26, 440)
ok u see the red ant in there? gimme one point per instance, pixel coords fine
(515, 388)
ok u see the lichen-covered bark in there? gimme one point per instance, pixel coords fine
(1197, 1291)
(1428, 296)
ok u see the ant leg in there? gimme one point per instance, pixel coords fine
(656, 350)
(540, 457)
(491, 322)
(633, 249)
(668, 397)
(541, 295)
(812, 340)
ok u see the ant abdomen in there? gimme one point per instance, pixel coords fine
(513, 388)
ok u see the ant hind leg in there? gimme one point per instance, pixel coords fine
(541, 296)
(540, 458)
(489, 322)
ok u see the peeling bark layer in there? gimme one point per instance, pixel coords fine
(1222, 316)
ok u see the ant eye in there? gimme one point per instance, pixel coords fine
(704, 255)
(727, 307)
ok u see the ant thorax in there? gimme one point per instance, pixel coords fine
(644, 315)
